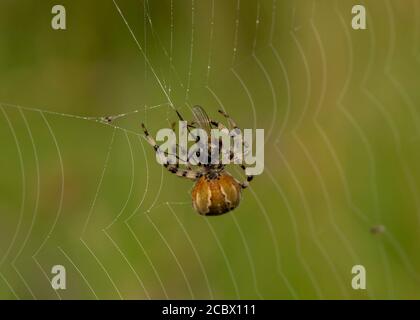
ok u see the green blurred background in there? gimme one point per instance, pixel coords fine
(340, 109)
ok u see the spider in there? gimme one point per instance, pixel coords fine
(215, 192)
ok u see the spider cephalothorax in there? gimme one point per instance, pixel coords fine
(215, 192)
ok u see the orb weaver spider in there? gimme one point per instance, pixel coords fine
(215, 191)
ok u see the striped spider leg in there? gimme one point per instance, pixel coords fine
(188, 172)
(236, 131)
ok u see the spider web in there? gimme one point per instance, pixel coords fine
(301, 226)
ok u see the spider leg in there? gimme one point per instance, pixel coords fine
(221, 126)
(184, 173)
(245, 184)
(232, 123)
(173, 168)
(235, 130)
(190, 124)
(218, 124)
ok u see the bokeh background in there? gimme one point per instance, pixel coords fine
(340, 109)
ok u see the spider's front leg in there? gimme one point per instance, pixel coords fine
(232, 123)
(235, 128)
(173, 168)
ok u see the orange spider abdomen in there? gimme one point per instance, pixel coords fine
(216, 196)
